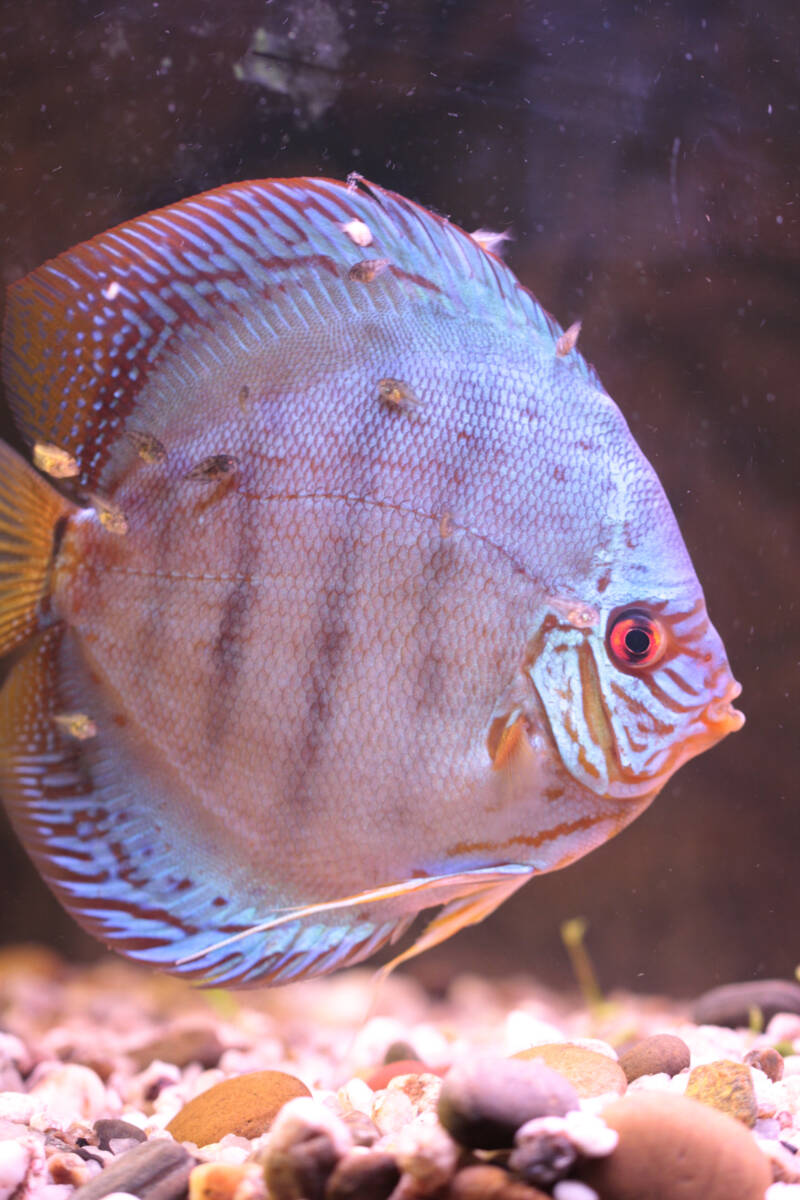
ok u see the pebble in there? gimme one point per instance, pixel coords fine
(733, 1003)
(426, 1155)
(305, 1144)
(363, 1129)
(15, 1158)
(484, 1100)
(541, 1156)
(157, 1170)
(245, 1105)
(767, 1059)
(218, 1181)
(363, 1175)
(719, 1159)
(727, 1086)
(589, 1072)
(111, 1129)
(381, 1076)
(488, 1182)
(184, 1046)
(660, 1053)
(67, 1092)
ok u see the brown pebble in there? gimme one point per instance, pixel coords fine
(767, 1059)
(360, 1176)
(112, 1129)
(180, 1048)
(734, 1004)
(660, 1053)
(245, 1105)
(488, 1182)
(380, 1077)
(485, 1100)
(216, 1180)
(301, 1171)
(674, 1148)
(400, 1051)
(727, 1086)
(589, 1072)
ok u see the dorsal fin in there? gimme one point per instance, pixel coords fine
(84, 331)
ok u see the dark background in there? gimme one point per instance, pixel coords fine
(645, 157)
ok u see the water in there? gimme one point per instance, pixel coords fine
(644, 159)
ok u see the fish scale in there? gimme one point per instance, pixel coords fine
(327, 623)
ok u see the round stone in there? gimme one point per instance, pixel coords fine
(662, 1053)
(767, 1059)
(589, 1072)
(363, 1175)
(727, 1086)
(485, 1100)
(734, 1004)
(674, 1148)
(245, 1105)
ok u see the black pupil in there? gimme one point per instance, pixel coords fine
(637, 642)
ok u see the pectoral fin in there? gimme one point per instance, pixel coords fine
(466, 909)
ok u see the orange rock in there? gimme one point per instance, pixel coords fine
(589, 1072)
(725, 1085)
(245, 1105)
(674, 1148)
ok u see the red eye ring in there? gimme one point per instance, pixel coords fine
(636, 640)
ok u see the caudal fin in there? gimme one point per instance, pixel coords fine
(30, 513)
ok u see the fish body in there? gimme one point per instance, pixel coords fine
(358, 596)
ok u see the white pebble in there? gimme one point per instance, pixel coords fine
(782, 1191)
(391, 1110)
(16, 1106)
(573, 1189)
(422, 1090)
(356, 1096)
(784, 1027)
(589, 1134)
(425, 1152)
(15, 1158)
(69, 1092)
(522, 1030)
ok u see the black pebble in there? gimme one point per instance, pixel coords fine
(732, 1004)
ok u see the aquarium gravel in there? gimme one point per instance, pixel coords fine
(327, 1091)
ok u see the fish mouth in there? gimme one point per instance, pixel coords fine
(721, 716)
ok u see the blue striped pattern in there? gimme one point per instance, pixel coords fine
(84, 331)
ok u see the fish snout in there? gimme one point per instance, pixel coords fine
(720, 713)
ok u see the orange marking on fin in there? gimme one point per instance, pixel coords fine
(529, 839)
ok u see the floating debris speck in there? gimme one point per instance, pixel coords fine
(367, 270)
(445, 525)
(396, 394)
(54, 461)
(216, 466)
(112, 291)
(358, 232)
(77, 724)
(244, 397)
(147, 446)
(568, 339)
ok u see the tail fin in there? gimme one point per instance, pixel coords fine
(30, 512)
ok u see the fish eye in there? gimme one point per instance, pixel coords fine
(636, 639)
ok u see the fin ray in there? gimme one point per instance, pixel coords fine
(30, 510)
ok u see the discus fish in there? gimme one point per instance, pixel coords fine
(349, 593)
